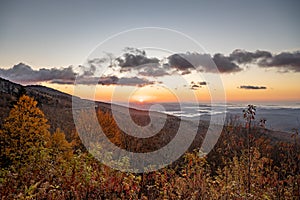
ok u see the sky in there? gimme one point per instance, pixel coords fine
(52, 38)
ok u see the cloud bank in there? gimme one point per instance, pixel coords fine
(23, 73)
(145, 69)
(286, 61)
(186, 62)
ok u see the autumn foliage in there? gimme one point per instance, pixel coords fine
(25, 132)
(37, 164)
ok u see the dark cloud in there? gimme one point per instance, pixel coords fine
(203, 62)
(112, 80)
(195, 87)
(202, 83)
(251, 87)
(185, 72)
(242, 56)
(186, 63)
(198, 85)
(180, 62)
(225, 65)
(286, 61)
(183, 63)
(63, 82)
(135, 58)
(108, 80)
(23, 73)
(153, 70)
(134, 81)
(87, 71)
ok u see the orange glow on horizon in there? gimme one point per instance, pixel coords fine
(149, 94)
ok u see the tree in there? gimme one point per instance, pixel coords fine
(249, 116)
(109, 127)
(25, 132)
(60, 147)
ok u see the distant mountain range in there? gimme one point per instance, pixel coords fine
(57, 107)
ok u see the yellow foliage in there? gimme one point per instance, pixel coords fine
(109, 127)
(25, 130)
(59, 145)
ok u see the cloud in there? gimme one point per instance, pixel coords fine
(195, 87)
(136, 61)
(251, 87)
(180, 62)
(242, 56)
(153, 70)
(87, 71)
(202, 83)
(110, 80)
(198, 85)
(186, 63)
(63, 82)
(225, 65)
(23, 73)
(285, 60)
(134, 81)
(204, 62)
(133, 58)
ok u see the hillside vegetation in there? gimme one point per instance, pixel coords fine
(42, 156)
(37, 163)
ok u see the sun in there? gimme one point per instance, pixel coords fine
(141, 100)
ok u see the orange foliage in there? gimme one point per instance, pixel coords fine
(25, 130)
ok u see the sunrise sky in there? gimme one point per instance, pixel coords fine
(255, 46)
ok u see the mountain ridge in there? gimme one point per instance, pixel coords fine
(57, 107)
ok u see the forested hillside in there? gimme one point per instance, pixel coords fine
(40, 161)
